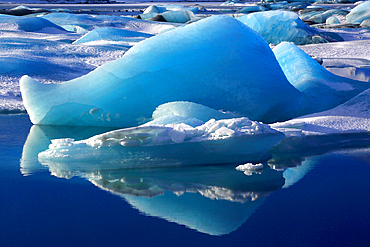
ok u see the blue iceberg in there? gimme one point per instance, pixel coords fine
(278, 26)
(322, 17)
(217, 62)
(359, 13)
(84, 23)
(112, 35)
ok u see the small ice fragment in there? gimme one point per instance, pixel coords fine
(63, 140)
(250, 167)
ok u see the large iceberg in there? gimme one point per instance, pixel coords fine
(278, 26)
(218, 62)
(324, 89)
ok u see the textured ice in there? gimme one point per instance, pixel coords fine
(322, 17)
(325, 89)
(84, 22)
(178, 16)
(170, 13)
(278, 26)
(125, 92)
(28, 24)
(113, 35)
(213, 142)
(332, 20)
(359, 13)
(23, 10)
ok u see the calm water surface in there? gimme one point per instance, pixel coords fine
(320, 200)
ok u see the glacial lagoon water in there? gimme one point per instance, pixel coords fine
(319, 198)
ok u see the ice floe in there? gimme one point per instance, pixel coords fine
(212, 142)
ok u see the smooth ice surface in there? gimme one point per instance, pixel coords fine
(112, 35)
(325, 89)
(359, 13)
(278, 26)
(213, 142)
(202, 214)
(179, 65)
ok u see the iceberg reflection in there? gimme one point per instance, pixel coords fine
(215, 200)
(211, 199)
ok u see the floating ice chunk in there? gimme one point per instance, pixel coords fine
(325, 89)
(113, 34)
(278, 26)
(360, 13)
(250, 167)
(179, 65)
(213, 142)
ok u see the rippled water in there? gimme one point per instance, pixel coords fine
(316, 199)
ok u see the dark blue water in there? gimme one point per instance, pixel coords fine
(325, 201)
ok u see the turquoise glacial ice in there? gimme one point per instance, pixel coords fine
(277, 26)
(112, 35)
(324, 89)
(359, 13)
(218, 62)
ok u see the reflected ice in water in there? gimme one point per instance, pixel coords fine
(212, 199)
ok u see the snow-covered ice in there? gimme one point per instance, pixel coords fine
(155, 144)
